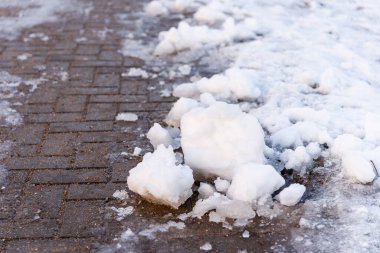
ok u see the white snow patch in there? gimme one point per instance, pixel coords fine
(122, 212)
(153, 229)
(120, 194)
(136, 72)
(206, 247)
(127, 116)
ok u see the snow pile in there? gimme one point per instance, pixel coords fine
(158, 179)
(221, 131)
(163, 7)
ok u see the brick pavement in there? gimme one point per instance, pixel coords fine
(65, 164)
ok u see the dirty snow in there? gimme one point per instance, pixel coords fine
(153, 229)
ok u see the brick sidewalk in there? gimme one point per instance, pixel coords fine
(66, 163)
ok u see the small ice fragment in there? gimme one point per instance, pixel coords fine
(126, 116)
(23, 57)
(245, 234)
(122, 212)
(137, 151)
(128, 235)
(205, 190)
(136, 72)
(120, 194)
(206, 247)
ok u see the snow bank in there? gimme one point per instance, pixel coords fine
(220, 131)
(158, 179)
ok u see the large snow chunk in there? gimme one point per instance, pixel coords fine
(253, 181)
(292, 194)
(156, 8)
(358, 168)
(217, 139)
(158, 179)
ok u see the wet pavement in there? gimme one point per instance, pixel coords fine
(66, 160)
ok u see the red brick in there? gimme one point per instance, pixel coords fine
(69, 176)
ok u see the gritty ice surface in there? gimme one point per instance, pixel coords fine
(127, 116)
(153, 229)
(159, 179)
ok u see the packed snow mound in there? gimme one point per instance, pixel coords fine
(253, 181)
(234, 84)
(163, 7)
(217, 139)
(291, 195)
(158, 179)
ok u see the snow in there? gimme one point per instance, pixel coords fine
(136, 151)
(127, 116)
(158, 179)
(120, 194)
(253, 181)
(309, 77)
(122, 212)
(206, 247)
(292, 194)
(221, 130)
(221, 185)
(245, 234)
(33, 12)
(136, 72)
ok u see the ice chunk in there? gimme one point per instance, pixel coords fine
(120, 194)
(358, 168)
(224, 208)
(159, 135)
(122, 212)
(253, 181)
(292, 194)
(182, 106)
(185, 69)
(221, 185)
(158, 179)
(205, 190)
(126, 116)
(245, 234)
(217, 139)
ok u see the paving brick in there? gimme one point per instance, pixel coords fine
(40, 201)
(27, 228)
(42, 96)
(16, 179)
(81, 73)
(9, 200)
(117, 98)
(93, 191)
(88, 49)
(69, 176)
(133, 62)
(82, 219)
(146, 107)
(71, 104)
(90, 91)
(53, 117)
(39, 162)
(134, 87)
(59, 144)
(50, 246)
(107, 80)
(89, 137)
(26, 150)
(29, 134)
(110, 56)
(90, 126)
(92, 155)
(37, 108)
(98, 63)
(101, 111)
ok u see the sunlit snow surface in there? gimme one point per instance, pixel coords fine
(309, 71)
